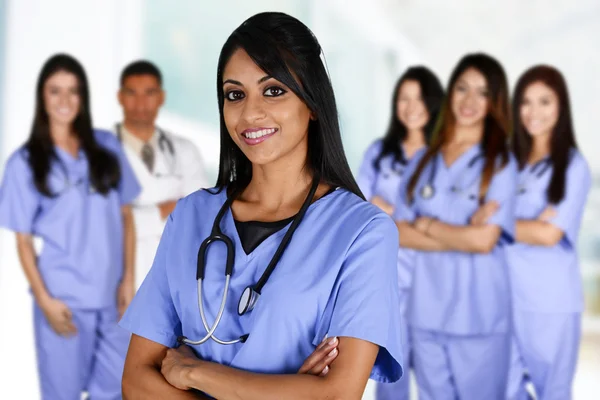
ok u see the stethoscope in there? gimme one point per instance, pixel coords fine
(164, 143)
(251, 293)
(428, 190)
(396, 169)
(69, 183)
(543, 166)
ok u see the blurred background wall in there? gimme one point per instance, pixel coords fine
(367, 45)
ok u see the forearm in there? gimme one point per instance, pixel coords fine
(147, 383)
(383, 205)
(28, 261)
(537, 233)
(129, 245)
(413, 239)
(468, 239)
(224, 382)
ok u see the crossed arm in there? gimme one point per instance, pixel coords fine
(429, 234)
(338, 369)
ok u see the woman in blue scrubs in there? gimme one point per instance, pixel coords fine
(554, 182)
(70, 186)
(459, 311)
(282, 171)
(416, 102)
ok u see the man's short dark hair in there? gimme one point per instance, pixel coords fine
(141, 67)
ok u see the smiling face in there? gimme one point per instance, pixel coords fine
(470, 100)
(61, 98)
(265, 119)
(539, 109)
(410, 108)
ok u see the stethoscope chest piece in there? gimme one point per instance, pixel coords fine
(248, 300)
(427, 191)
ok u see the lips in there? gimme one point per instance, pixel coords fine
(255, 136)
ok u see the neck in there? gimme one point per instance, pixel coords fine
(415, 138)
(142, 131)
(468, 134)
(540, 146)
(60, 133)
(281, 183)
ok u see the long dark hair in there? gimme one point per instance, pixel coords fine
(432, 94)
(496, 125)
(103, 166)
(285, 48)
(563, 134)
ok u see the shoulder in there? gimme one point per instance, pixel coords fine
(508, 167)
(356, 216)
(201, 202)
(578, 166)
(18, 160)
(107, 139)
(374, 148)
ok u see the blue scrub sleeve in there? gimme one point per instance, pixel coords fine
(19, 199)
(404, 210)
(364, 301)
(151, 314)
(570, 209)
(129, 187)
(367, 174)
(503, 190)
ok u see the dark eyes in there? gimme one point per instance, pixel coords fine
(271, 91)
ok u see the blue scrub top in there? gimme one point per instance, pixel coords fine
(454, 292)
(81, 262)
(548, 279)
(336, 278)
(385, 183)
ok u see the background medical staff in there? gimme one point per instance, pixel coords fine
(281, 152)
(459, 311)
(554, 182)
(70, 186)
(416, 101)
(167, 166)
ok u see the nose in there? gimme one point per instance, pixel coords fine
(253, 109)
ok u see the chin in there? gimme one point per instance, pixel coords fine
(469, 122)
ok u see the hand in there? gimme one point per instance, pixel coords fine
(59, 317)
(484, 213)
(176, 365)
(125, 294)
(319, 361)
(166, 208)
(382, 204)
(422, 224)
(548, 213)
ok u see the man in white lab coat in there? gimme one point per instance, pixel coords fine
(167, 166)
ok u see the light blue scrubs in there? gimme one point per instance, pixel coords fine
(459, 313)
(385, 183)
(81, 264)
(337, 277)
(546, 286)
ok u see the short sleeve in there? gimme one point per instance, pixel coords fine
(405, 210)
(365, 298)
(19, 198)
(367, 174)
(151, 314)
(503, 190)
(570, 209)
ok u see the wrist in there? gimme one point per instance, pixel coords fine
(192, 375)
(428, 227)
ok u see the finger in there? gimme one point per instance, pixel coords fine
(318, 356)
(67, 314)
(324, 362)
(325, 371)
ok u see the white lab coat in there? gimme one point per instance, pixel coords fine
(174, 177)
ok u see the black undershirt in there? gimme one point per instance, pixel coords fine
(253, 233)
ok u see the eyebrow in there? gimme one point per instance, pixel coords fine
(261, 80)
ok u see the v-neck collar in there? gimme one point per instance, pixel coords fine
(228, 227)
(462, 161)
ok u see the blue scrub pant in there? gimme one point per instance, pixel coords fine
(91, 361)
(545, 346)
(460, 367)
(399, 390)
